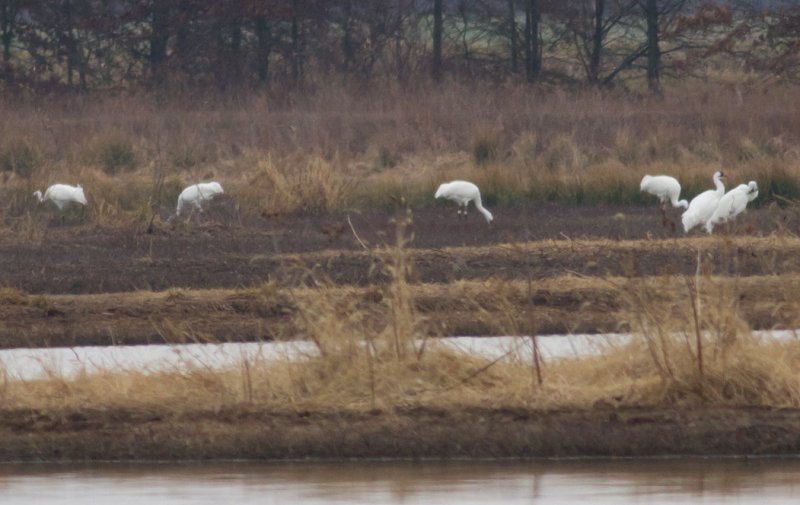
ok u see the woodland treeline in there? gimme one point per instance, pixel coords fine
(84, 45)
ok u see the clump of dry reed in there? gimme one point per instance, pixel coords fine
(377, 355)
(295, 184)
(694, 340)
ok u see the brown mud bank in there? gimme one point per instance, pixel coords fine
(567, 304)
(413, 432)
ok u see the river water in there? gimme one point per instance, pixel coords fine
(619, 481)
(650, 481)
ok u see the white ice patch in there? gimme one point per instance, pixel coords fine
(28, 364)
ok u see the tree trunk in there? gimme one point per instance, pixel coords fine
(348, 50)
(297, 57)
(264, 35)
(221, 56)
(597, 42)
(69, 42)
(533, 52)
(159, 36)
(438, 25)
(512, 36)
(236, 51)
(653, 50)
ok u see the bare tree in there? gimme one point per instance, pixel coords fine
(409, 54)
(8, 22)
(438, 29)
(533, 52)
(589, 24)
(158, 39)
(775, 36)
(659, 16)
(86, 44)
(513, 48)
(651, 15)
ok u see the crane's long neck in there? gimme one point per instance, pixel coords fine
(38, 195)
(720, 186)
(752, 191)
(482, 209)
(678, 203)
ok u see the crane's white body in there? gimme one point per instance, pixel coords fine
(463, 192)
(703, 205)
(732, 204)
(62, 194)
(666, 188)
(196, 194)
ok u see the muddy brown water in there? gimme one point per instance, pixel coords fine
(652, 481)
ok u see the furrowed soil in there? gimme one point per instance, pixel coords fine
(223, 280)
(559, 269)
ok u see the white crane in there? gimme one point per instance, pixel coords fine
(62, 194)
(732, 204)
(664, 187)
(463, 192)
(703, 205)
(196, 194)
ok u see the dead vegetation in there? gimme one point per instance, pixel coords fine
(377, 362)
(565, 304)
(336, 151)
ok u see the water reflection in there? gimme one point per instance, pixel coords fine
(580, 481)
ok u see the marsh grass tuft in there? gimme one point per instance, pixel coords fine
(117, 155)
(13, 296)
(294, 185)
(485, 149)
(563, 153)
(691, 330)
(20, 156)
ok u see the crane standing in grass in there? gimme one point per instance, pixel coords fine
(703, 205)
(463, 192)
(732, 204)
(666, 188)
(62, 195)
(193, 196)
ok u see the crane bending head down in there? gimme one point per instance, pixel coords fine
(196, 194)
(62, 195)
(665, 187)
(463, 192)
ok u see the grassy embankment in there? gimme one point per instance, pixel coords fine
(336, 150)
(694, 380)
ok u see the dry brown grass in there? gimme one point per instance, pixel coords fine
(335, 150)
(295, 184)
(373, 351)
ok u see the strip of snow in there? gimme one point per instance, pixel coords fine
(29, 364)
